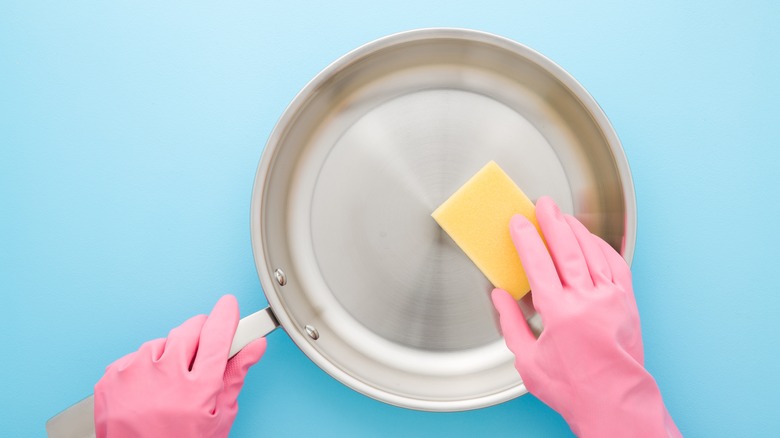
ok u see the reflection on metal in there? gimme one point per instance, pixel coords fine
(356, 165)
(280, 277)
(312, 332)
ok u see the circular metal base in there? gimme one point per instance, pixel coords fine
(352, 173)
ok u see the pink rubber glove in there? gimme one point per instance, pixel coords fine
(182, 386)
(588, 363)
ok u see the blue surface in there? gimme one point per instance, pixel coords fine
(130, 134)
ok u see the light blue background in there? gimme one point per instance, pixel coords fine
(130, 133)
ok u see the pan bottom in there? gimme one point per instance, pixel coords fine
(349, 179)
(388, 263)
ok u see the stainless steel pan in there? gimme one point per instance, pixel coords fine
(354, 268)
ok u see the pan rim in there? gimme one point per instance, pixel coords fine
(270, 152)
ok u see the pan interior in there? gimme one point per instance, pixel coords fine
(364, 156)
(397, 272)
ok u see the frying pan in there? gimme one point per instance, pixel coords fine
(354, 268)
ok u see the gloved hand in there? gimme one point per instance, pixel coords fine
(180, 386)
(588, 363)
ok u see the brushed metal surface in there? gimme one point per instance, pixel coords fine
(352, 172)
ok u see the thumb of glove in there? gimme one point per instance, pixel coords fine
(236, 370)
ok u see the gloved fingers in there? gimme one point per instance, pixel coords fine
(182, 342)
(621, 273)
(598, 266)
(536, 261)
(216, 338)
(564, 249)
(151, 350)
(517, 334)
(236, 370)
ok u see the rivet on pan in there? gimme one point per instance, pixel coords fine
(312, 332)
(280, 277)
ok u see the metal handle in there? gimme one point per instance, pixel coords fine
(78, 421)
(252, 327)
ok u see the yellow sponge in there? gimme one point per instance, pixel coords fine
(477, 218)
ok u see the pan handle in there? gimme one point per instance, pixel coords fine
(252, 327)
(78, 421)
